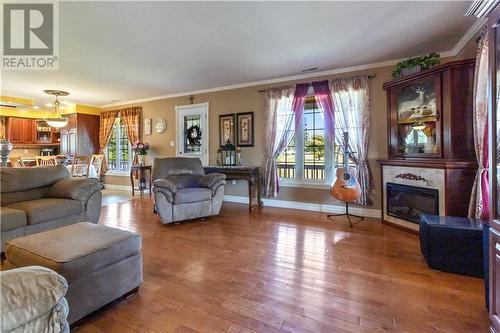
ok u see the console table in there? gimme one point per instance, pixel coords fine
(250, 174)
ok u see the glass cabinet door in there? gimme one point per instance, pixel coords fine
(418, 118)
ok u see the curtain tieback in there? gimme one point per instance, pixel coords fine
(481, 169)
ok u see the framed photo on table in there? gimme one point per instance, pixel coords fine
(226, 128)
(245, 132)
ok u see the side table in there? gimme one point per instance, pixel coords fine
(141, 169)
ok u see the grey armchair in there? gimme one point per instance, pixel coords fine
(182, 191)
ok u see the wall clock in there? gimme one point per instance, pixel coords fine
(160, 125)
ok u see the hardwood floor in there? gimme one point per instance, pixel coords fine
(280, 270)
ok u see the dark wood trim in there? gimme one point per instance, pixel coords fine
(426, 163)
(493, 20)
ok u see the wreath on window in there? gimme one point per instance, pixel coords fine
(193, 134)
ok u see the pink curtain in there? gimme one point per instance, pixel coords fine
(323, 97)
(299, 100)
(479, 203)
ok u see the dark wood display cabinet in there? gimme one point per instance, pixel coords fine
(430, 114)
(430, 127)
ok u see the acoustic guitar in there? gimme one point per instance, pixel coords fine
(346, 187)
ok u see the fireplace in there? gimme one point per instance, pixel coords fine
(409, 202)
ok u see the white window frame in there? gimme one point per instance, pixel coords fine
(118, 129)
(299, 180)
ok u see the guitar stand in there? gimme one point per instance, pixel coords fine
(361, 218)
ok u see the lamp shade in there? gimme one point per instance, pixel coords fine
(57, 122)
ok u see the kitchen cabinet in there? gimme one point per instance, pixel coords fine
(81, 135)
(21, 130)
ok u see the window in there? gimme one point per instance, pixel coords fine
(306, 158)
(119, 152)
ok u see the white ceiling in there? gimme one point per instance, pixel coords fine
(131, 50)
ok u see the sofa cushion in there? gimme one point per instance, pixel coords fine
(184, 181)
(187, 195)
(11, 218)
(74, 251)
(22, 179)
(29, 293)
(46, 209)
(171, 166)
(32, 194)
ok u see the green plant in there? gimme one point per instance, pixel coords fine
(315, 146)
(424, 62)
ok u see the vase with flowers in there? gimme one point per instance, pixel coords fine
(140, 150)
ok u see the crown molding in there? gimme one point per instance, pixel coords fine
(259, 83)
(450, 53)
(481, 8)
(467, 36)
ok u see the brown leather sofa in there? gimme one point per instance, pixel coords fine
(37, 199)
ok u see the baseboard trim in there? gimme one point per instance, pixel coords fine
(324, 208)
(117, 187)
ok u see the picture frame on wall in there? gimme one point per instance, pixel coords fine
(226, 129)
(245, 129)
(147, 126)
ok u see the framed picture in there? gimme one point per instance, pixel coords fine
(245, 134)
(147, 126)
(226, 128)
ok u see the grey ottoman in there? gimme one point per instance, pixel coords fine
(100, 263)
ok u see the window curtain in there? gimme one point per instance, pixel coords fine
(479, 203)
(131, 118)
(352, 114)
(280, 125)
(299, 101)
(106, 122)
(323, 97)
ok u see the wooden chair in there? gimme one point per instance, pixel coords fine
(45, 160)
(27, 161)
(16, 162)
(80, 166)
(97, 161)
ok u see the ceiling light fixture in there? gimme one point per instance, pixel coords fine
(59, 121)
(307, 70)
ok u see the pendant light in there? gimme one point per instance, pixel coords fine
(59, 121)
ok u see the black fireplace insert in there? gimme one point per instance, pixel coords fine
(409, 202)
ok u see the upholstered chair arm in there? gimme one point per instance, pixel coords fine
(212, 181)
(166, 187)
(80, 189)
(29, 293)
